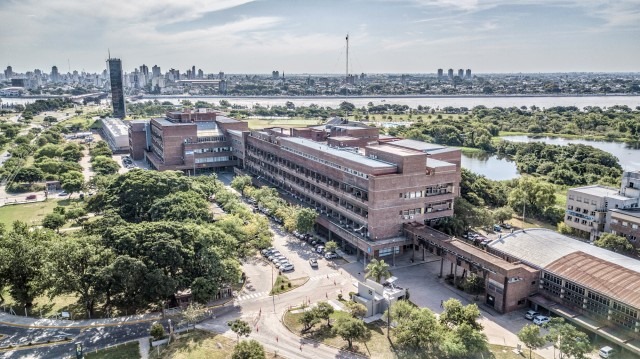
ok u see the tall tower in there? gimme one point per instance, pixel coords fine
(55, 75)
(117, 90)
(440, 74)
(346, 75)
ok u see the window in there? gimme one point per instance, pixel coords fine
(613, 220)
(593, 213)
(579, 199)
(571, 197)
(634, 226)
(625, 224)
(388, 251)
(593, 202)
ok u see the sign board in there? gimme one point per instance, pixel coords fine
(369, 249)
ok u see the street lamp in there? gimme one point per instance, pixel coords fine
(386, 297)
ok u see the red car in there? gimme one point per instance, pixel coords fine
(31, 197)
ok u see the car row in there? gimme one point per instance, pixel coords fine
(476, 238)
(278, 259)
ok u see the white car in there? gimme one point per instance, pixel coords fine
(287, 267)
(320, 249)
(330, 255)
(540, 320)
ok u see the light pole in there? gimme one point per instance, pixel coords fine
(388, 314)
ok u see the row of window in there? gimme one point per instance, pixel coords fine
(429, 191)
(214, 159)
(578, 209)
(577, 220)
(325, 162)
(586, 200)
(212, 149)
(624, 223)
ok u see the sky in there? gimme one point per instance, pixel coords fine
(308, 36)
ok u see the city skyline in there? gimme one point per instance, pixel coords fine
(386, 36)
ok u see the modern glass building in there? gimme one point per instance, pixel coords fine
(117, 89)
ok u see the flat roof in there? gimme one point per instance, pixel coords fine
(432, 162)
(417, 145)
(347, 155)
(443, 150)
(600, 191)
(397, 150)
(115, 126)
(633, 212)
(165, 122)
(343, 138)
(225, 119)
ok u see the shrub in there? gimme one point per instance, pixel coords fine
(289, 284)
(157, 331)
(340, 296)
(281, 286)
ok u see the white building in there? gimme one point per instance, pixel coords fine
(116, 132)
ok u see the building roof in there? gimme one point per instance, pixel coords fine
(343, 138)
(580, 262)
(225, 119)
(235, 132)
(165, 122)
(433, 163)
(417, 145)
(347, 155)
(600, 275)
(633, 212)
(599, 191)
(115, 126)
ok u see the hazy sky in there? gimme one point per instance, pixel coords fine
(307, 36)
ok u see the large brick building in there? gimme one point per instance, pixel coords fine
(192, 141)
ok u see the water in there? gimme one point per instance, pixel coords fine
(627, 154)
(490, 165)
(413, 102)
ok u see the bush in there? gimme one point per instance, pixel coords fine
(340, 296)
(351, 295)
(157, 331)
(289, 284)
(281, 286)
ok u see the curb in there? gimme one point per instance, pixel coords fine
(317, 342)
(289, 290)
(35, 345)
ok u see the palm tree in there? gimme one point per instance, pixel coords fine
(378, 270)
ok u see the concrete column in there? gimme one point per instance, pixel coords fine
(423, 249)
(441, 263)
(451, 269)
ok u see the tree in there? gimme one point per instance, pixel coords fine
(356, 310)
(377, 269)
(567, 338)
(72, 181)
(455, 314)
(181, 206)
(305, 219)
(24, 252)
(53, 221)
(531, 337)
(330, 246)
(29, 174)
(615, 243)
(240, 327)
(308, 319)
(50, 119)
(323, 311)
(104, 165)
(418, 331)
(157, 331)
(240, 182)
(533, 193)
(248, 349)
(75, 266)
(192, 313)
(503, 214)
(351, 329)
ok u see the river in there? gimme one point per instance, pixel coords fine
(413, 102)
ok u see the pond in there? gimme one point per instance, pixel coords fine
(492, 166)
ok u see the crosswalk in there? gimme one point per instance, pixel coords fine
(324, 276)
(245, 297)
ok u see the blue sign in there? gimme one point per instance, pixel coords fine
(369, 250)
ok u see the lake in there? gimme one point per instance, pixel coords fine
(491, 166)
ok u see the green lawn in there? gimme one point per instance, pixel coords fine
(126, 351)
(284, 284)
(504, 352)
(198, 345)
(31, 213)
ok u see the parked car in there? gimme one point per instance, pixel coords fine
(31, 197)
(497, 228)
(287, 267)
(506, 226)
(485, 242)
(313, 263)
(282, 263)
(606, 352)
(273, 255)
(530, 314)
(320, 249)
(313, 243)
(540, 320)
(63, 193)
(330, 255)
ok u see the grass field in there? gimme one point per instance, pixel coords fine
(126, 351)
(503, 352)
(199, 345)
(31, 213)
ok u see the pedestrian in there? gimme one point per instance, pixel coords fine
(300, 347)
(441, 303)
(277, 340)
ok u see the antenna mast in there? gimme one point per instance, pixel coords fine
(347, 66)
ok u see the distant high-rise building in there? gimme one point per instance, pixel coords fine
(450, 73)
(200, 74)
(144, 70)
(468, 74)
(275, 74)
(55, 76)
(222, 86)
(189, 74)
(8, 73)
(440, 74)
(221, 75)
(193, 72)
(155, 71)
(117, 89)
(460, 73)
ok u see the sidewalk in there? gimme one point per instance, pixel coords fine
(26, 322)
